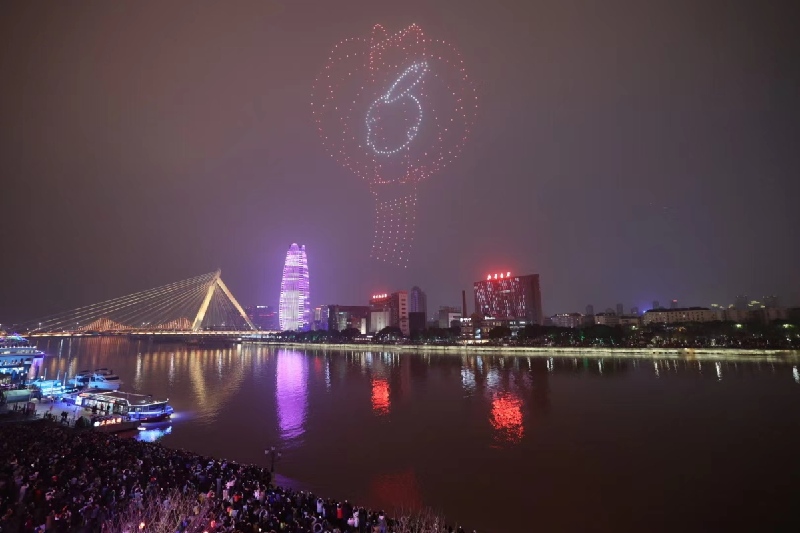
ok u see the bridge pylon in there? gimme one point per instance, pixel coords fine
(190, 305)
(214, 285)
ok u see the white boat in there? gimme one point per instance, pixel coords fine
(139, 407)
(94, 381)
(19, 361)
(107, 373)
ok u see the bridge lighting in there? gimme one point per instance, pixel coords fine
(169, 307)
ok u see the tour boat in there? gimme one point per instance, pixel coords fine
(137, 407)
(18, 359)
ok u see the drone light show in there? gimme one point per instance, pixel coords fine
(394, 109)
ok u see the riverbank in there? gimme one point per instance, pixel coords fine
(61, 479)
(536, 351)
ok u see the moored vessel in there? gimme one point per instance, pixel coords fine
(137, 407)
(19, 361)
(93, 380)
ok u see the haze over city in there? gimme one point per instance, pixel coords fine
(626, 152)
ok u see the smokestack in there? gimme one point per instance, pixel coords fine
(464, 304)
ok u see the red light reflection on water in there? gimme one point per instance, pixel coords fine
(380, 396)
(397, 491)
(506, 418)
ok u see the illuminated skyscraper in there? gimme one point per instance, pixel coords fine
(506, 297)
(294, 309)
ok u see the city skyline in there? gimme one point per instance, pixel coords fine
(628, 153)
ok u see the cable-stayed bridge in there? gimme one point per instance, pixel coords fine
(198, 306)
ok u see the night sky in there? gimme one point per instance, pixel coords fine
(626, 151)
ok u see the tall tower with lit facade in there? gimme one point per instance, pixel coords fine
(294, 308)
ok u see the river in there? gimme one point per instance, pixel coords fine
(495, 442)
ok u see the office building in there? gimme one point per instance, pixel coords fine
(635, 311)
(629, 320)
(679, 315)
(656, 305)
(320, 322)
(389, 310)
(567, 320)
(620, 310)
(448, 315)
(342, 317)
(590, 310)
(606, 319)
(502, 296)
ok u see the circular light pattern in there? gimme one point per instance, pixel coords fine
(394, 110)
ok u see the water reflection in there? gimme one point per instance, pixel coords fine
(380, 396)
(153, 434)
(506, 418)
(212, 390)
(376, 414)
(291, 393)
(397, 491)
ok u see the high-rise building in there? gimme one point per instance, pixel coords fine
(294, 308)
(656, 305)
(389, 310)
(620, 310)
(505, 297)
(741, 302)
(771, 302)
(342, 317)
(321, 321)
(590, 310)
(417, 301)
(673, 304)
(635, 311)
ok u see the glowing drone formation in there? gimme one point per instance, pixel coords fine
(394, 109)
(393, 95)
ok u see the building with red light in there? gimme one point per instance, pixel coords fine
(389, 310)
(502, 296)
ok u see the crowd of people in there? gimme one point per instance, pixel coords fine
(57, 479)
